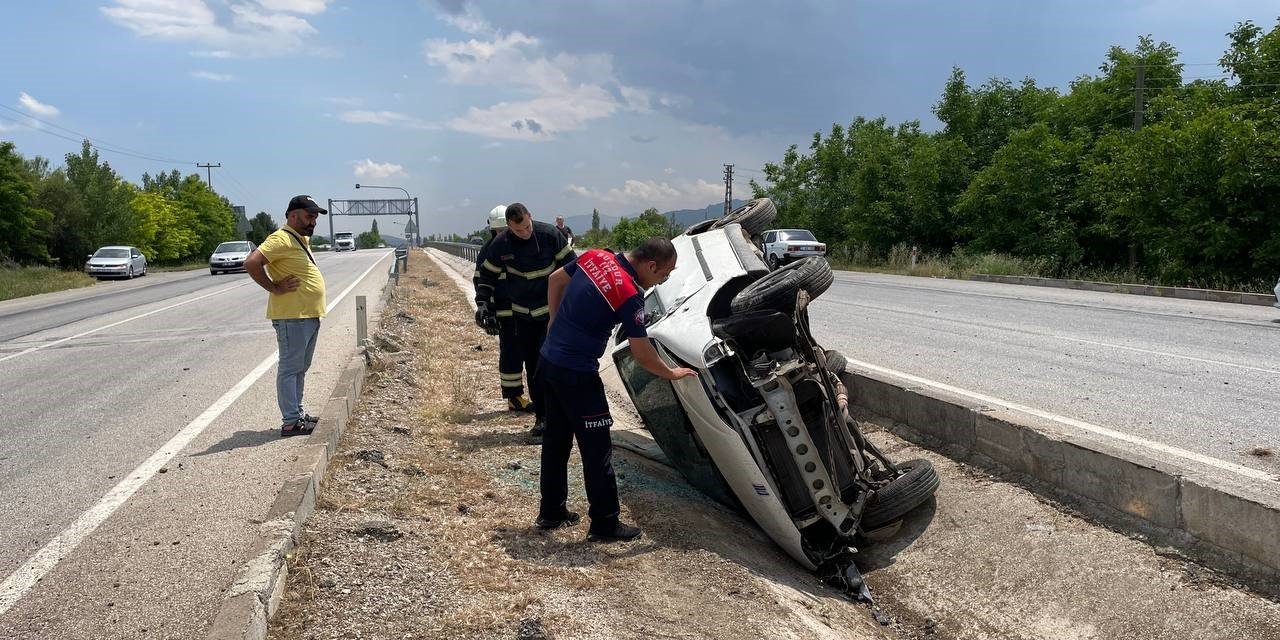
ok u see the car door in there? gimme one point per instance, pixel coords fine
(769, 238)
(135, 259)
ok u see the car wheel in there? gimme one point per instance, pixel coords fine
(902, 496)
(755, 217)
(212, 272)
(836, 362)
(699, 227)
(773, 263)
(777, 290)
(130, 274)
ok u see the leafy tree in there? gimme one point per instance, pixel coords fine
(628, 234)
(595, 219)
(23, 226)
(262, 225)
(157, 231)
(105, 199)
(208, 214)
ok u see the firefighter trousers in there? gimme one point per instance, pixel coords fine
(519, 343)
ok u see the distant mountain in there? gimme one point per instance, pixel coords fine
(683, 217)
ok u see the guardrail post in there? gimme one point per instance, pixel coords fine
(362, 330)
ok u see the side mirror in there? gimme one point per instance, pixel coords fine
(89, 257)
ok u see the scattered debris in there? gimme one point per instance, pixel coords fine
(372, 455)
(402, 430)
(1041, 528)
(380, 530)
(531, 629)
(1261, 452)
(514, 465)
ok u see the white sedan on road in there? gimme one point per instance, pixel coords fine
(1276, 304)
(781, 246)
(116, 262)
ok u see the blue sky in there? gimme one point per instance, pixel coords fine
(564, 106)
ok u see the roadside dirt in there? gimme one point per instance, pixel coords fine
(424, 528)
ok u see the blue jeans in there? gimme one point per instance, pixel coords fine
(296, 339)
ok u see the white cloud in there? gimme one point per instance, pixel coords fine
(295, 6)
(386, 119)
(435, 159)
(555, 92)
(209, 75)
(369, 169)
(345, 102)
(245, 29)
(35, 106)
(648, 193)
(668, 171)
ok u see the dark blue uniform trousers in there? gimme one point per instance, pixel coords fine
(576, 407)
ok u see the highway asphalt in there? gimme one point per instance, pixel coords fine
(94, 383)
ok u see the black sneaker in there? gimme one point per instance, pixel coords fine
(535, 432)
(570, 518)
(620, 533)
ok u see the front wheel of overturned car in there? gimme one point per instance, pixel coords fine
(901, 496)
(755, 216)
(777, 290)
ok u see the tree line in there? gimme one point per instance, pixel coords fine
(1171, 177)
(57, 216)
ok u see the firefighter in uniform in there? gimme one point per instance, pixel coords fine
(590, 298)
(489, 316)
(515, 266)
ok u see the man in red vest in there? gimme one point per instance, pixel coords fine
(587, 300)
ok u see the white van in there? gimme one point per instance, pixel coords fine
(344, 241)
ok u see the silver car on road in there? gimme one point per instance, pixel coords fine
(116, 262)
(229, 256)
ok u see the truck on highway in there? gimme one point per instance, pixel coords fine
(344, 241)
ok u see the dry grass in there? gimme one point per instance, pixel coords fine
(18, 282)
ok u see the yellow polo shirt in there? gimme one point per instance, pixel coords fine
(287, 257)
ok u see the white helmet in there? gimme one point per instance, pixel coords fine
(498, 218)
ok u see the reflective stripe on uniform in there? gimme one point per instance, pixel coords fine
(564, 252)
(540, 311)
(490, 266)
(504, 313)
(532, 275)
(512, 380)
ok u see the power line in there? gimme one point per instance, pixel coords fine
(93, 142)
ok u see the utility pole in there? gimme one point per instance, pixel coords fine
(728, 187)
(1139, 86)
(208, 172)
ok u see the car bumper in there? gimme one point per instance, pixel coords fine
(788, 257)
(107, 271)
(227, 266)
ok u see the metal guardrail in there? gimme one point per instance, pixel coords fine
(468, 252)
(399, 265)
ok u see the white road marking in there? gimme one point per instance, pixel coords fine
(118, 323)
(1169, 355)
(1079, 424)
(48, 557)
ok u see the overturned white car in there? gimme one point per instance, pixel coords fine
(766, 425)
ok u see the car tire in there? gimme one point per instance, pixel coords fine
(213, 273)
(902, 496)
(836, 362)
(777, 290)
(699, 227)
(755, 217)
(129, 276)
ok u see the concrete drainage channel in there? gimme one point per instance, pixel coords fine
(1225, 515)
(252, 599)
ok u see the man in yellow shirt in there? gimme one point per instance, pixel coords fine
(284, 266)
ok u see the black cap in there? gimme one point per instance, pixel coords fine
(305, 202)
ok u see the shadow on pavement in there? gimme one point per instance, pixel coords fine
(240, 439)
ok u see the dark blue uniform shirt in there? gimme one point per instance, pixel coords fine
(586, 318)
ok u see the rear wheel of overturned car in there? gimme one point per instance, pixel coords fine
(777, 290)
(755, 217)
(902, 496)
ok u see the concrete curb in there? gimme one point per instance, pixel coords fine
(253, 598)
(1184, 293)
(1226, 520)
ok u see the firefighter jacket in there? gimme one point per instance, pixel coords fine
(515, 272)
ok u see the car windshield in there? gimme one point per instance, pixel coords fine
(796, 234)
(232, 247)
(112, 253)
